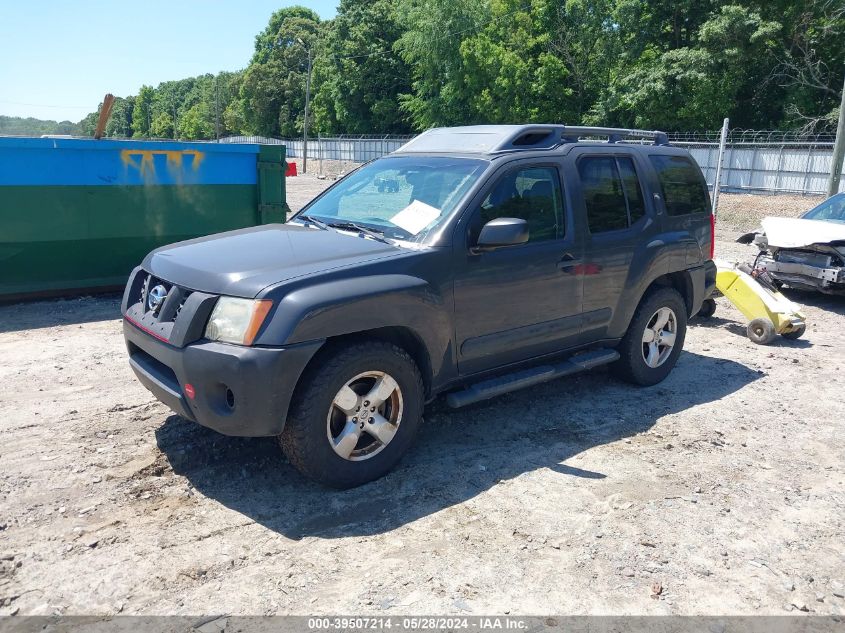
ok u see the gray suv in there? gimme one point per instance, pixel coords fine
(471, 262)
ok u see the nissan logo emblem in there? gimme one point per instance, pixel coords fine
(156, 297)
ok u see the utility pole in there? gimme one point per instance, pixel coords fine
(838, 150)
(217, 106)
(307, 103)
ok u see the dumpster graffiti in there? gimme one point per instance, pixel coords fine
(144, 160)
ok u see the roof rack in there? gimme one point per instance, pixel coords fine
(482, 139)
(572, 133)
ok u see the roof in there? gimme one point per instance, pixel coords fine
(490, 139)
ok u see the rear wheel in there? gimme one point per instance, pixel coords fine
(355, 413)
(761, 331)
(797, 333)
(708, 309)
(654, 339)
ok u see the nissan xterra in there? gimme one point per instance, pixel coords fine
(471, 262)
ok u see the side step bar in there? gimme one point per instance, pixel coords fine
(493, 387)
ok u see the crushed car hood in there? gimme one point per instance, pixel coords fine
(798, 233)
(242, 263)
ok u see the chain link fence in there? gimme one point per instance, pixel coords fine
(758, 161)
(755, 161)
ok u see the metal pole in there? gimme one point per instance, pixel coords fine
(305, 122)
(217, 106)
(320, 151)
(717, 183)
(838, 150)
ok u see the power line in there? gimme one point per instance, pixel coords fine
(44, 105)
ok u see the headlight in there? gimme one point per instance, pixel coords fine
(237, 320)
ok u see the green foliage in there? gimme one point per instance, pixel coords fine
(431, 46)
(142, 112)
(18, 126)
(358, 73)
(272, 91)
(162, 126)
(395, 66)
(120, 122)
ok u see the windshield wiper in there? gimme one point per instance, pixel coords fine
(318, 223)
(351, 226)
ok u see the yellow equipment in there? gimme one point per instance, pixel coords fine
(769, 312)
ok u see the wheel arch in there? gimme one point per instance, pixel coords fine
(401, 336)
(680, 281)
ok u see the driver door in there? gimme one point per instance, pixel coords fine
(518, 302)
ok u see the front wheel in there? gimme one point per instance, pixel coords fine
(355, 413)
(761, 331)
(654, 339)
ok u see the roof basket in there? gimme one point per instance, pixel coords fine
(572, 133)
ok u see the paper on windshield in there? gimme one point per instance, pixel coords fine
(415, 217)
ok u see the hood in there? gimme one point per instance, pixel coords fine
(242, 263)
(797, 232)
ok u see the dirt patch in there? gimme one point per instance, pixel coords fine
(719, 491)
(743, 212)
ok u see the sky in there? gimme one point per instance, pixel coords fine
(59, 58)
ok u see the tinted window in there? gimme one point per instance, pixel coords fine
(631, 186)
(684, 189)
(533, 194)
(603, 196)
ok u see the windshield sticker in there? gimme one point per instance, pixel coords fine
(415, 217)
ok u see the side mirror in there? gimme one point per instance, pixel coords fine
(503, 232)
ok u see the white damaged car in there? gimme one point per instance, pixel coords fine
(806, 253)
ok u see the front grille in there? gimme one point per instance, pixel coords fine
(162, 290)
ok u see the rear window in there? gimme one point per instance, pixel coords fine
(684, 189)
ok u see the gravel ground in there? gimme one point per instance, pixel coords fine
(719, 491)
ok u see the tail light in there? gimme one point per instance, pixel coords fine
(712, 235)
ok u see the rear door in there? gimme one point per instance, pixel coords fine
(684, 201)
(521, 301)
(613, 202)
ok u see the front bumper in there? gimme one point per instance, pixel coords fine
(244, 391)
(813, 274)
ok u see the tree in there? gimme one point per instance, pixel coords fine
(197, 122)
(142, 115)
(120, 122)
(162, 126)
(510, 73)
(431, 46)
(358, 73)
(272, 92)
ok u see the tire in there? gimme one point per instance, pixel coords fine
(761, 331)
(797, 333)
(316, 424)
(708, 309)
(633, 365)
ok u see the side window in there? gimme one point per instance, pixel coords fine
(603, 196)
(684, 189)
(533, 194)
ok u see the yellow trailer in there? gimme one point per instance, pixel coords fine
(769, 312)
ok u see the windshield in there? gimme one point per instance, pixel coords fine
(402, 197)
(832, 209)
